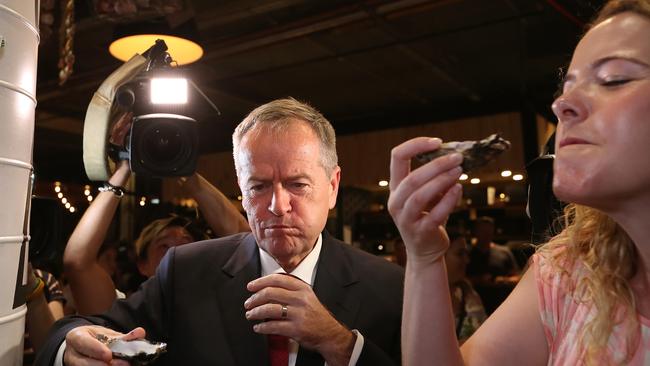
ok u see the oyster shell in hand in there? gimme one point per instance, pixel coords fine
(138, 351)
(475, 153)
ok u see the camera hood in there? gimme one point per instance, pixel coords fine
(101, 116)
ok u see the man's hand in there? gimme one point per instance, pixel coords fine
(83, 348)
(306, 321)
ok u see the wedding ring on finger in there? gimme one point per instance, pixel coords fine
(285, 312)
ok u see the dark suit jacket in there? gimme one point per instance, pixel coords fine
(195, 303)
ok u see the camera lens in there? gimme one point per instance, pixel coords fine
(164, 143)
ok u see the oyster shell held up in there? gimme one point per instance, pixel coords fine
(138, 352)
(475, 153)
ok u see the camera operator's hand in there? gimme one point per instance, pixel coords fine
(83, 347)
(222, 216)
(120, 129)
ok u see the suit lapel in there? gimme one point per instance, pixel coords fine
(334, 287)
(247, 347)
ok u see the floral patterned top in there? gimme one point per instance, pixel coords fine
(563, 317)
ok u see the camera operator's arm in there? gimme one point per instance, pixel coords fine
(92, 287)
(222, 216)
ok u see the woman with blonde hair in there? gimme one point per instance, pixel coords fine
(583, 299)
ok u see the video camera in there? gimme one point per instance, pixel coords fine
(161, 139)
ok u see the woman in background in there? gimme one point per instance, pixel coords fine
(466, 304)
(90, 282)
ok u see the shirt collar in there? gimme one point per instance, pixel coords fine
(306, 269)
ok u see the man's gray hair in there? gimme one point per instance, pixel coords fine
(278, 114)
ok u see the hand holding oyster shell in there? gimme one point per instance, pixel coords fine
(83, 346)
(475, 153)
(137, 351)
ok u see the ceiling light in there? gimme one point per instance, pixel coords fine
(57, 189)
(463, 177)
(383, 183)
(475, 181)
(183, 51)
(133, 38)
(506, 173)
(517, 177)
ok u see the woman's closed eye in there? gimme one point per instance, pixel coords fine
(614, 81)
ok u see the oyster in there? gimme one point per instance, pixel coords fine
(475, 153)
(138, 352)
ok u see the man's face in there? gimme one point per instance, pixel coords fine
(287, 193)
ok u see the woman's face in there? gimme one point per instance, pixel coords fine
(170, 237)
(456, 259)
(603, 137)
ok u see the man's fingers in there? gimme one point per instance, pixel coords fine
(118, 362)
(137, 333)
(269, 311)
(82, 341)
(400, 160)
(279, 327)
(282, 280)
(74, 358)
(271, 295)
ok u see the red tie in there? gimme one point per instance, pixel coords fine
(278, 350)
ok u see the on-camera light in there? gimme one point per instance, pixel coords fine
(168, 90)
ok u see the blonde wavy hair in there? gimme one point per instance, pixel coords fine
(153, 230)
(595, 242)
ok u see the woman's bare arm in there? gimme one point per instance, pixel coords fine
(92, 287)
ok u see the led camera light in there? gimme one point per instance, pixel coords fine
(168, 91)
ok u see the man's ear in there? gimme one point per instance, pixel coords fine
(335, 179)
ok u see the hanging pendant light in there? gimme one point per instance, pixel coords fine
(182, 41)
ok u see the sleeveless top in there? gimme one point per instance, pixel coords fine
(563, 317)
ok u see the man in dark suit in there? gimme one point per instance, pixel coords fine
(230, 301)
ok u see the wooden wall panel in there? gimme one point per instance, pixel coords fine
(364, 158)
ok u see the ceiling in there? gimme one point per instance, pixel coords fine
(367, 65)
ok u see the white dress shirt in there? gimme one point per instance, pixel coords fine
(306, 271)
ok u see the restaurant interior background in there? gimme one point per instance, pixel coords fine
(380, 71)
